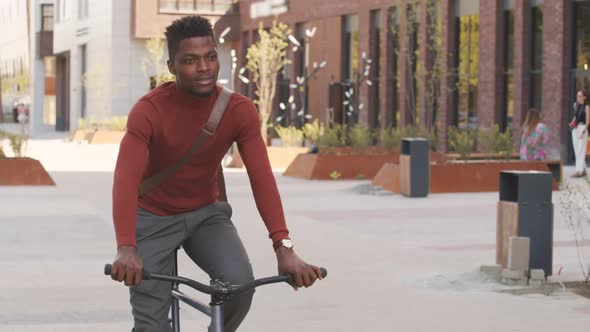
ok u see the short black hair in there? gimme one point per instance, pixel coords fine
(187, 27)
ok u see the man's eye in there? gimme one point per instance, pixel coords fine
(213, 57)
(190, 60)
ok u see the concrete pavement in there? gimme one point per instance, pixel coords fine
(395, 264)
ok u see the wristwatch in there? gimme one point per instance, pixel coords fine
(287, 243)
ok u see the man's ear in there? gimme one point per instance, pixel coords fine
(171, 67)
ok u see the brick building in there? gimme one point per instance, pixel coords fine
(496, 59)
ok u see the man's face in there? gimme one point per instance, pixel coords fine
(196, 65)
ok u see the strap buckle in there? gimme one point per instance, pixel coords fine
(208, 131)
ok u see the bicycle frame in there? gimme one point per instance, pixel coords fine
(213, 310)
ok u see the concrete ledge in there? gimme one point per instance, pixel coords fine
(23, 172)
(455, 177)
(280, 156)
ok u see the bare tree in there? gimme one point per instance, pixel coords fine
(265, 59)
(423, 71)
(154, 63)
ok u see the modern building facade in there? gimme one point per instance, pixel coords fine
(492, 59)
(89, 59)
(14, 52)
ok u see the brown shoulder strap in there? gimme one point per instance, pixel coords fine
(207, 131)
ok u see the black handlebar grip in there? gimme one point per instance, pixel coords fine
(324, 272)
(108, 269)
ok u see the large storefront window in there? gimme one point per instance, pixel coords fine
(581, 61)
(413, 48)
(375, 67)
(350, 47)
(393, 75)
(508, 84)
(536, 74)
(467, 70)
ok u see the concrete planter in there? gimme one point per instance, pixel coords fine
(280, 157)
(80, 135)
(101, 136)
(339, 166)
(23, 172)
(346, 163)
(471, 176)
(107, 137)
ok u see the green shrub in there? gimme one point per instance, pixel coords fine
(361, 136)
(491, 140)
(2, 135)
(290, 136)
(430, 135)
(82, 123)
(412, 131)
(462, 141)
(117, 123)
(17, 143)
(390, 137)
(504, 143)
(333, 137)
(313, 131)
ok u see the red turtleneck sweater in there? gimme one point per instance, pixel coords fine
(161, 127)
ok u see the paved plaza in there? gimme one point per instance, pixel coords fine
(395, 263)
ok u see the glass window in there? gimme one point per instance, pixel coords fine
(467, 71)
(47, 17)
(300, 54)
(375, 56)
(351, 47)
(582, 35)
(83, 70)
(508, 88)
(393, 50)
(83, 9)
(168, 5)
(66, 9)
(413, 57)
(49, 62)
(187, 5)
(536, 77)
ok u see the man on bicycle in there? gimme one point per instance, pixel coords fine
(185, 209)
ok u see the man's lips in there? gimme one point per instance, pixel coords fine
(204, 81)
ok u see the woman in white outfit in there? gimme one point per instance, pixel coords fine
(579, 125)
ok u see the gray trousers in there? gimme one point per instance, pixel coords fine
(210, 239)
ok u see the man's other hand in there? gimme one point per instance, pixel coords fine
(127, 266)
(304, 275)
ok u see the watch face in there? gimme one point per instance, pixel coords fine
(287, 243)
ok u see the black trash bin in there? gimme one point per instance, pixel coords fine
(415, 167)
(525, 209)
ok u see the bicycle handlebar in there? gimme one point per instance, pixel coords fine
(219, 288)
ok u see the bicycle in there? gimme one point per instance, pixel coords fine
(219, 290)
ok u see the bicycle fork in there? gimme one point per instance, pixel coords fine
(175, 302)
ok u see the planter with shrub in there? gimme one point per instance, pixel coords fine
(19, 170)
(466, 171)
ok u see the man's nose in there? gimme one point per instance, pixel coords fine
(202, 65)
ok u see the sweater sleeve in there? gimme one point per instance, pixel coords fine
(253, 152)
(129, 171)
